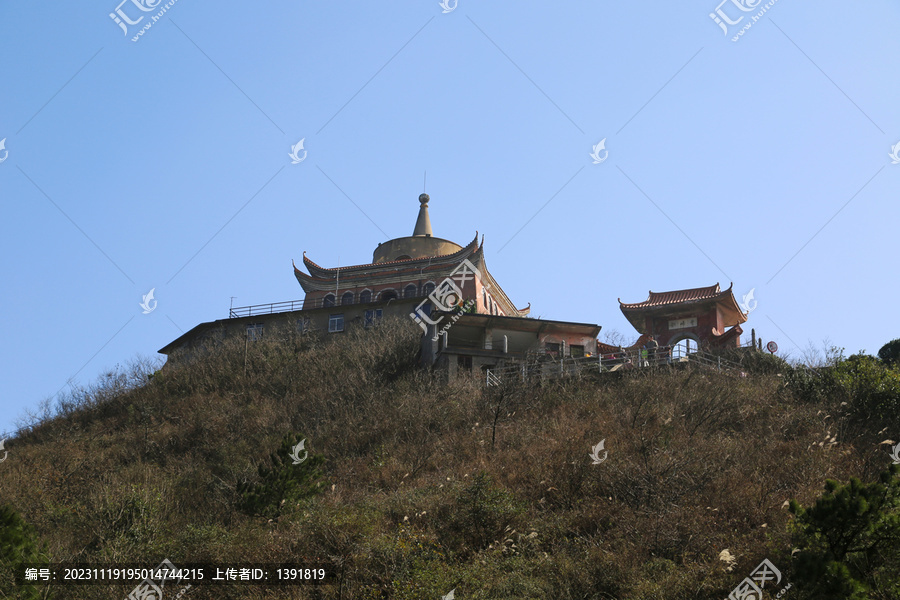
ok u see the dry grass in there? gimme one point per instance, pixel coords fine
(434, 486)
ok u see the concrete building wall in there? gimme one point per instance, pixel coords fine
(312, 322)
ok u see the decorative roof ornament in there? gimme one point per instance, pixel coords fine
(423, 223)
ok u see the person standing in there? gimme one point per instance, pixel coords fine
(653, 347)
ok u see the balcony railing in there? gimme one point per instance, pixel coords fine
(266, 309)
(294, 305)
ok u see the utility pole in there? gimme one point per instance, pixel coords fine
(337, 281)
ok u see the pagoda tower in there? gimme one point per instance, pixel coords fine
(405, 268)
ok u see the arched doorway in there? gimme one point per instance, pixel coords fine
(683, 345)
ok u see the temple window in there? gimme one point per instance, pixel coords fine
(372, 317)
(254, 331)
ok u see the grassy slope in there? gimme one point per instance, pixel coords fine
(417, 500)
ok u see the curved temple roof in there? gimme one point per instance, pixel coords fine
(661, 302)
(329, 274)
(420, 256)
(679, 296)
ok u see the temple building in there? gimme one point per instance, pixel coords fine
(433, 283)
(468, 323)
(708, 316)
(405, 268)
(476, 342)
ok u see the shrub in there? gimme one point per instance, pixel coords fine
(756, 362)
(890, 352)
(808, 384)
(480, 514)
(283, 482)
(18, 547)
(872, 389)
(849, 540)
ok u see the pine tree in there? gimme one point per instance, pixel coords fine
(849, 540)
(18, 547)
(281, 482)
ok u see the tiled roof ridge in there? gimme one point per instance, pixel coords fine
(347, 277)
(314, 266)
(678, 296)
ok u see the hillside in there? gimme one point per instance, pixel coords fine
(428, 486)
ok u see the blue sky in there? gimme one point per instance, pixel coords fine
(163, 163)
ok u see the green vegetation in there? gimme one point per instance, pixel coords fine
(18, 548)
(418, 486)
(861, 387)
(283, 482)
(849, 540)
(890, 352)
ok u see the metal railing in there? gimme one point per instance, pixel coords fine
(294, 305)
(267, 309)
(493, 379)
(629, 359)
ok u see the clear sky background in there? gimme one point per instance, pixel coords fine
(163, 163)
